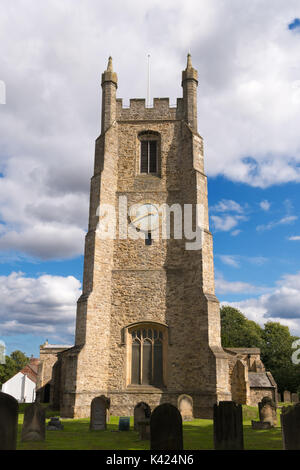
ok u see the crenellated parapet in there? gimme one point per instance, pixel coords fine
(160, 111)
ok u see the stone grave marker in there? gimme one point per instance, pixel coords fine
(267, 411)
(228, 426)
(141, 411)
(290, 426)
(286, 396)
(33, 428)
(295, 398)
(144, 429)
(185, 406)
(166, 428)
(99, 407)
(8, 422)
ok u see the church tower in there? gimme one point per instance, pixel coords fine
(148, 322)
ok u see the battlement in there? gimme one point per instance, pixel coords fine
(138, 110)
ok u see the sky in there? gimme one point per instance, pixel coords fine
(52, 56)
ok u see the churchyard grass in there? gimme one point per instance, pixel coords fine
(197, 434)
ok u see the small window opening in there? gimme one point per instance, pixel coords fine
(148, 239)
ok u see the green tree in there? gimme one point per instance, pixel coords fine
(276, 356)
(237, 331)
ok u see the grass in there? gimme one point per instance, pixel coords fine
(197, 434)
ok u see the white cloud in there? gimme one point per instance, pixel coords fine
(289, 219)
(45, 305)
(235, 260)
(234, 233)
(265, 205)
(230, 260)
(233, 287)
(281, 304)
(226, 222)
(227, 205)
(295, 238)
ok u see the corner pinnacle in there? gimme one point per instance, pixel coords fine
(109, 65)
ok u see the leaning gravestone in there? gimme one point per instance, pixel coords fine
(295, 398)
(99, 407)
(8, 422)
(290, 426)
(185, 406)
(267, 411)
(33, 428)
(286, 396)
(141, 411)
(228, 426)
(166, 428)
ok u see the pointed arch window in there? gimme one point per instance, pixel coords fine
(147, 357)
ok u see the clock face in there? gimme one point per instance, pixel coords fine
(145, 217)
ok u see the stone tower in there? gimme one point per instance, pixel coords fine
(148, 324)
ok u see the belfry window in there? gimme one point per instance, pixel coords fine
(147, 356)
(149, 152)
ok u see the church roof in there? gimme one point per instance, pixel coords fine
(259, 380)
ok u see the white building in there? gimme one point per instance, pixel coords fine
(22, 386)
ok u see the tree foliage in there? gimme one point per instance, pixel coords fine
(274, 341)
(13, 364)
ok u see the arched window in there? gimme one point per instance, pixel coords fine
(147, 355)
(149, 152)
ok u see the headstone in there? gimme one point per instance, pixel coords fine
(141, 411)
(55, 424)
(144, 429)
(124, 423)
(267, 411)
(8, 422)
(295, 398)
(290, 425)
(185, 406)
(99, 407)
(33, 428)
(286, 396)
(279, 399)
(228, 426)
(166, 428)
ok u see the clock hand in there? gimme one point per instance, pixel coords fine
(142, 216)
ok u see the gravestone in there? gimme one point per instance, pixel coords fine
(99, 407)
(286, 396)
(279, 399)
(290, 426)
(8, 422)
(228, 426)
(124, 423)
(295, 398)
(166, 428)
(185, 406)
(144, 429)
(141, 411)
(261, 425)
(33, 428)
(55, 424)
(267, 411)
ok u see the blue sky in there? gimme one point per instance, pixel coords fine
(249, 117)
